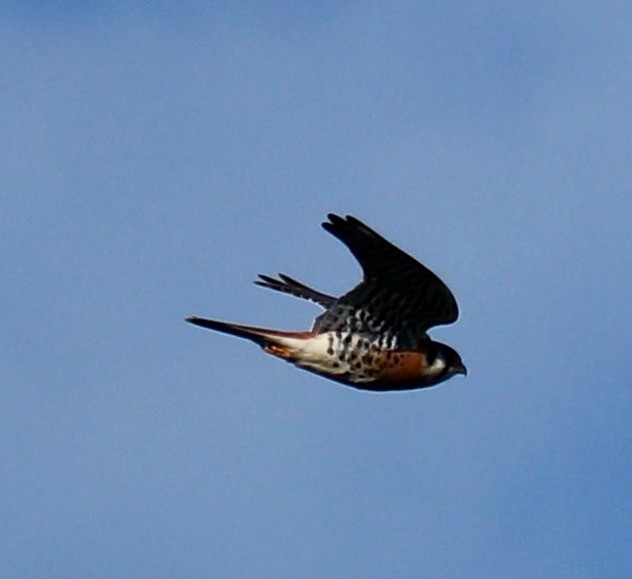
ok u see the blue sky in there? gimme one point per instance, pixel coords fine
(155, 158)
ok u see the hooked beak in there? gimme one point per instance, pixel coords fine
(460, 369)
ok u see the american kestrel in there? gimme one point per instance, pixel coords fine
(375, 336)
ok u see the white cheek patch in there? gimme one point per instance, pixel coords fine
(437, 366)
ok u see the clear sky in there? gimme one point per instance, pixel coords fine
(156, 156)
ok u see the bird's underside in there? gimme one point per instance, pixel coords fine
(375, 336)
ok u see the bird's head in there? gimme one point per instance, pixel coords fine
(443, 361)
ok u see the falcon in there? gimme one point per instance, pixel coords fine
(374, 337)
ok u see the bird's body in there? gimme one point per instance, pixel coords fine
(373, 337)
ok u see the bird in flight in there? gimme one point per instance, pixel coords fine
(374, 337)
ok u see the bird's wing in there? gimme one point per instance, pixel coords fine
(398, 296)
(289, 285)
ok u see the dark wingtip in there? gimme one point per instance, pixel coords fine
(338, 220)
(264, 280)
(337, 223)
(342, 227)
(333, 219)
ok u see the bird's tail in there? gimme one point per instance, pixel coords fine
(274, 342)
